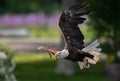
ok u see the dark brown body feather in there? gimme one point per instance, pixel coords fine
(73, 37)
(68, 23)
(78, 55)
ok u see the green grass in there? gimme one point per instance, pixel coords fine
(43, 32)
(35, 67)
(55, 32)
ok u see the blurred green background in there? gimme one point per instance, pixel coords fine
(27, 24)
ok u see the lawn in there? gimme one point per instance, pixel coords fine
(44, 32)
(55, 32)
(40, 67)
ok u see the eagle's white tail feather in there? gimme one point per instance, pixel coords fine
(96, 49)
(92, 44)
(93, 50)
(92, 47)
(95, 53)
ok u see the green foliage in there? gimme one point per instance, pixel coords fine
(8, 51)
(106, 17)
(88, 32)
(26, 6)
(7, 65)
(106, 21)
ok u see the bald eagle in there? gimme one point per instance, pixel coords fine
(74, 49)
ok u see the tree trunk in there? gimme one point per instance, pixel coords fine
(65, 67)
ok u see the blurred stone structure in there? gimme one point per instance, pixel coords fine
(65, 67)
(14, 32)
(113, 71)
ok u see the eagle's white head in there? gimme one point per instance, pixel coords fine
(62, 54)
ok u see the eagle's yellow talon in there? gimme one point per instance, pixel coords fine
(95, 59)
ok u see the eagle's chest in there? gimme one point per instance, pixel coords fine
(75, 56)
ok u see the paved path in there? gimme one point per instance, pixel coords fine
(28, 45)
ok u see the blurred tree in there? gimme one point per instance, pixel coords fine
(3, 6)
(27, 6)
(48, 8)
(7, 65)
(106, 21)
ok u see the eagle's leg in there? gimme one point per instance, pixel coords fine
(50, 53)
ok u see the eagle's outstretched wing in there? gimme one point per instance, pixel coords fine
(68, 23)
(74, 49)
(49, 49)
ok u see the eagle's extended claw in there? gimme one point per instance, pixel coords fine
(50, 54)
(56, 56)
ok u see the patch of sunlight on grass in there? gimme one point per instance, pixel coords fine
(31, 57)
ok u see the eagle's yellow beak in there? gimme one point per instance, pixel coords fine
(56, 55)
